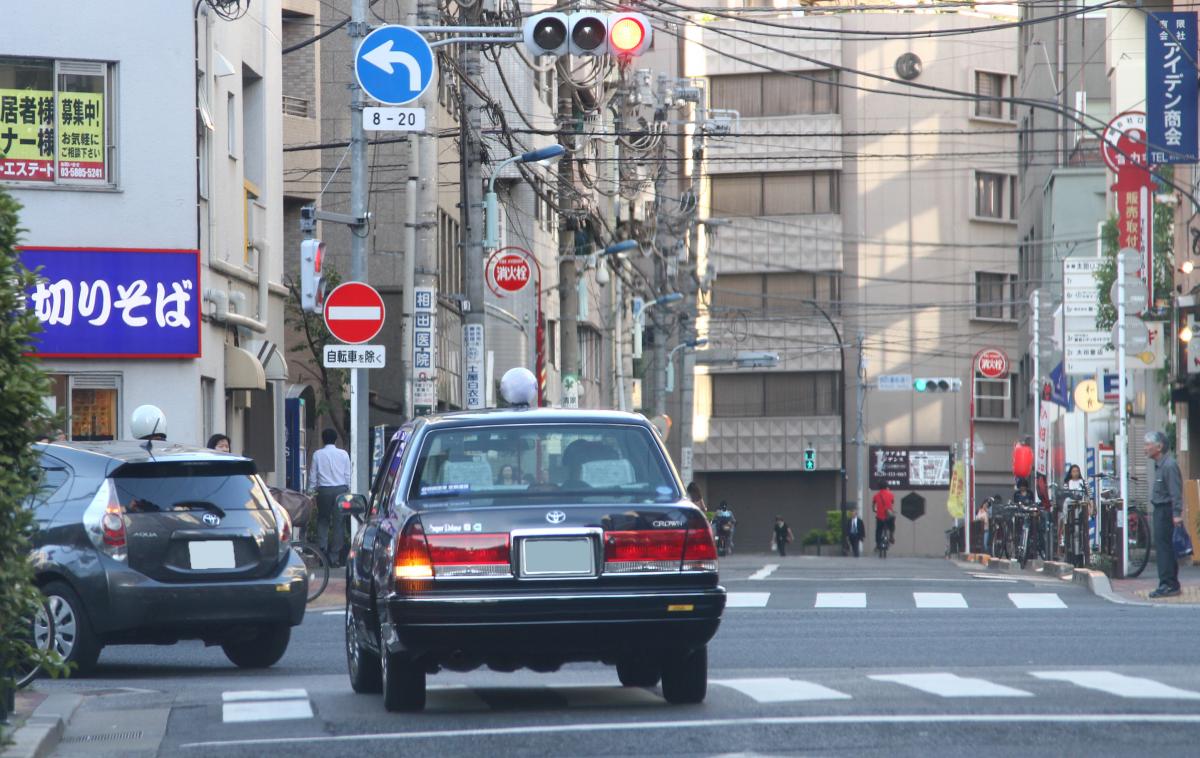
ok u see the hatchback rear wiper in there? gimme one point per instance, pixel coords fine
(191, 505)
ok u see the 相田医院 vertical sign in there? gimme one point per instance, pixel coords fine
(1171, 88)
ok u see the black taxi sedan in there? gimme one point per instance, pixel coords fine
(529, 538)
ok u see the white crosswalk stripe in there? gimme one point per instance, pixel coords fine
(764, 572)
(238, 706)
(747, 599)
(939, 600)
(781, 690)
(1132, 687)
(841, 600)
(1036, 600)
(952, 685)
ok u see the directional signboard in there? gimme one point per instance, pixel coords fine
(394, 65)
(354, 312)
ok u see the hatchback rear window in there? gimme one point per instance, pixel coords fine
(163, 488)
(508, 463)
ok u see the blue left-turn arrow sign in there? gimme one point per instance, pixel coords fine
(394, 65)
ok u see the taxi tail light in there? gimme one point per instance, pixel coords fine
(633, 552)
(470, 554)
(412, 553)
(104, 520)
(699, 549)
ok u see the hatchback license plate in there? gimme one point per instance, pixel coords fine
(212, 554)
(544, 556)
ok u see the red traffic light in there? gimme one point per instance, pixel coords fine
(626, 35)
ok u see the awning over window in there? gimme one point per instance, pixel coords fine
(242, 370)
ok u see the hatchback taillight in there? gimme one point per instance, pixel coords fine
(104, 521)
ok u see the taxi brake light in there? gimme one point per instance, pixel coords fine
(468, 549)
(700, 550)
(412, 554)
(630, 552)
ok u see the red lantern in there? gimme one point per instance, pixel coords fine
(1022, 461)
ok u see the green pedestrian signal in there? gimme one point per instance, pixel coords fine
(810, 459)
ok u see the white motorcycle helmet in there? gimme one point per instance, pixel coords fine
(148, 421)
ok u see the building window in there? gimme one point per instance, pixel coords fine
(993, 192)
(92, 405)
(780, 293)
(56, 122)
(801, 93)
(989, 84)
(775, 194)
(776, 393)
(995, 296)
(589, 354)
(995, 399)
(231, 122)
(450, 273)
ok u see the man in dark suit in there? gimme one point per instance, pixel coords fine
(856, 531)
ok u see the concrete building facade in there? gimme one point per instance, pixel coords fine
(168, 149)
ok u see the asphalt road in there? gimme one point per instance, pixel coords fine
(828, 656)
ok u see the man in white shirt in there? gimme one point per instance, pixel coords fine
(330, 474)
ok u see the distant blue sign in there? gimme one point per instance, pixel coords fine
(1091, 463)
(1059, 392)
(115, 303)
(1171, 88)
(394, 65)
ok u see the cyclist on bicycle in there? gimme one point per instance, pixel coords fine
(885, 515)
(724, 525)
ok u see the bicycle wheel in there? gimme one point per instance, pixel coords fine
(317, 566)
(1022, 549)
(41, 639)
(1138, 534)
(1000, 540)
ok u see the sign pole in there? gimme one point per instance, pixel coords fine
(1122, 443)
(359, 383)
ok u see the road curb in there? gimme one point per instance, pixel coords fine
(44, 728)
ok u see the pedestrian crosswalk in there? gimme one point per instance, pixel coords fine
(246, 706)
(240, 706)
(891, 600)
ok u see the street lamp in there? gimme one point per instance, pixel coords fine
(640, 318)
(841, 409)
(491, 203)
(702, 341)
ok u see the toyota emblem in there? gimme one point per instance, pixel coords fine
(211, 519)
(556, 517)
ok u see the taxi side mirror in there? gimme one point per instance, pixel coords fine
(351, 505)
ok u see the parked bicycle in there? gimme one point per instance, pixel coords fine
(1003, 529)
(1077, 545)
(316, 564)
(1137, 533)
(1024, 532)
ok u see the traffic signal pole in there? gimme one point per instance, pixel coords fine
(568, 275)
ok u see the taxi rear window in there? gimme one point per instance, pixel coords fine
(508, 463)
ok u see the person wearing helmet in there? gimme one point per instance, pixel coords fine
(148, 423)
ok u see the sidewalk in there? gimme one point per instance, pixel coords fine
(1140, 588)
(1128, 590)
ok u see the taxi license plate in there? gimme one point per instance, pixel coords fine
(212, 554)
(557, 556)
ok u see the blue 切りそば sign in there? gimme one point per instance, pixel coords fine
(115, 303)
(1171, 88)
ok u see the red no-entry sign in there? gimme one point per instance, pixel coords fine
(354, 312)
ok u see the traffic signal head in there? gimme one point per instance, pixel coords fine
(546, 34)
(587, 33)
(312, 288)
(937, 384)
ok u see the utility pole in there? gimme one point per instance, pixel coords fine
(471, 138)
(860, 441)
(661, 250)
(423, 166)
(568, 277)
(691, 275)
(359, 384)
